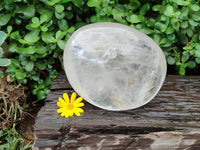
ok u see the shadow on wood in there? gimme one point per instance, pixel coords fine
(170, 121)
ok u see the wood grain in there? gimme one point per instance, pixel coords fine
(170, 121)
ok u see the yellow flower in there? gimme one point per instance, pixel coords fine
(70, 107)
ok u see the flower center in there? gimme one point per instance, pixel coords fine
(70, 106)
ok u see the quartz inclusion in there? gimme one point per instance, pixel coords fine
(113, 66)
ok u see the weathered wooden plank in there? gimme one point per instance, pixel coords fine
(176, 107)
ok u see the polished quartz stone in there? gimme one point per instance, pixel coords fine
(114, 66)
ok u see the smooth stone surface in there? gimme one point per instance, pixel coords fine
(113, 66)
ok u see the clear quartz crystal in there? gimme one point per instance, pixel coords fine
(113, 66)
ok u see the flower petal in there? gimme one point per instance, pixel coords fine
(71, 113)
(66, 97)
(79, 105)
(77, 113)
(60, 110)
(78, 110)
(78, 100)
(61, 102)
(62, 114)
(73, 97)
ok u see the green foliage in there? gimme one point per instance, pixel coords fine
(38, 30)
(13, 142)
(3, 61)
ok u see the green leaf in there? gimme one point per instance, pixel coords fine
(13, 48)
(191, 64)
(35, 20)
(65, 1)
(194, 7)
(47, 38)
(184, 24)
(9, 29)
(53, 2)
(189, 32)
(184, 13)
(32, 35)
(60, 15)
(29, 66)
(61, 44)
(35, 25)
(59, 8)
(1, 74)
(193, 23)
(169, 30)
(156, 7)
(41, 65)
(197, 60)
(185, 56)
(78, 3)
(197, 52)
(93, 3)
(181, 71)
(29, 11)
(43, 18)
(170, 60)
(117, 14)
(196, 17)
(1, 52)
(169, 11)
(145, 8)
(133, 19)
(20, 75)
(58, 34)
(41, 95)
(4, 62)
(41, 49)
(63, 25)
(160, 26)
(26, 50)
(2, 37)
(43, 28)
(4, 18)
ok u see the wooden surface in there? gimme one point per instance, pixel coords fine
(170, 121)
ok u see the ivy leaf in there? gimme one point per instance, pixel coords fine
(4, 18)
(93, 3)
